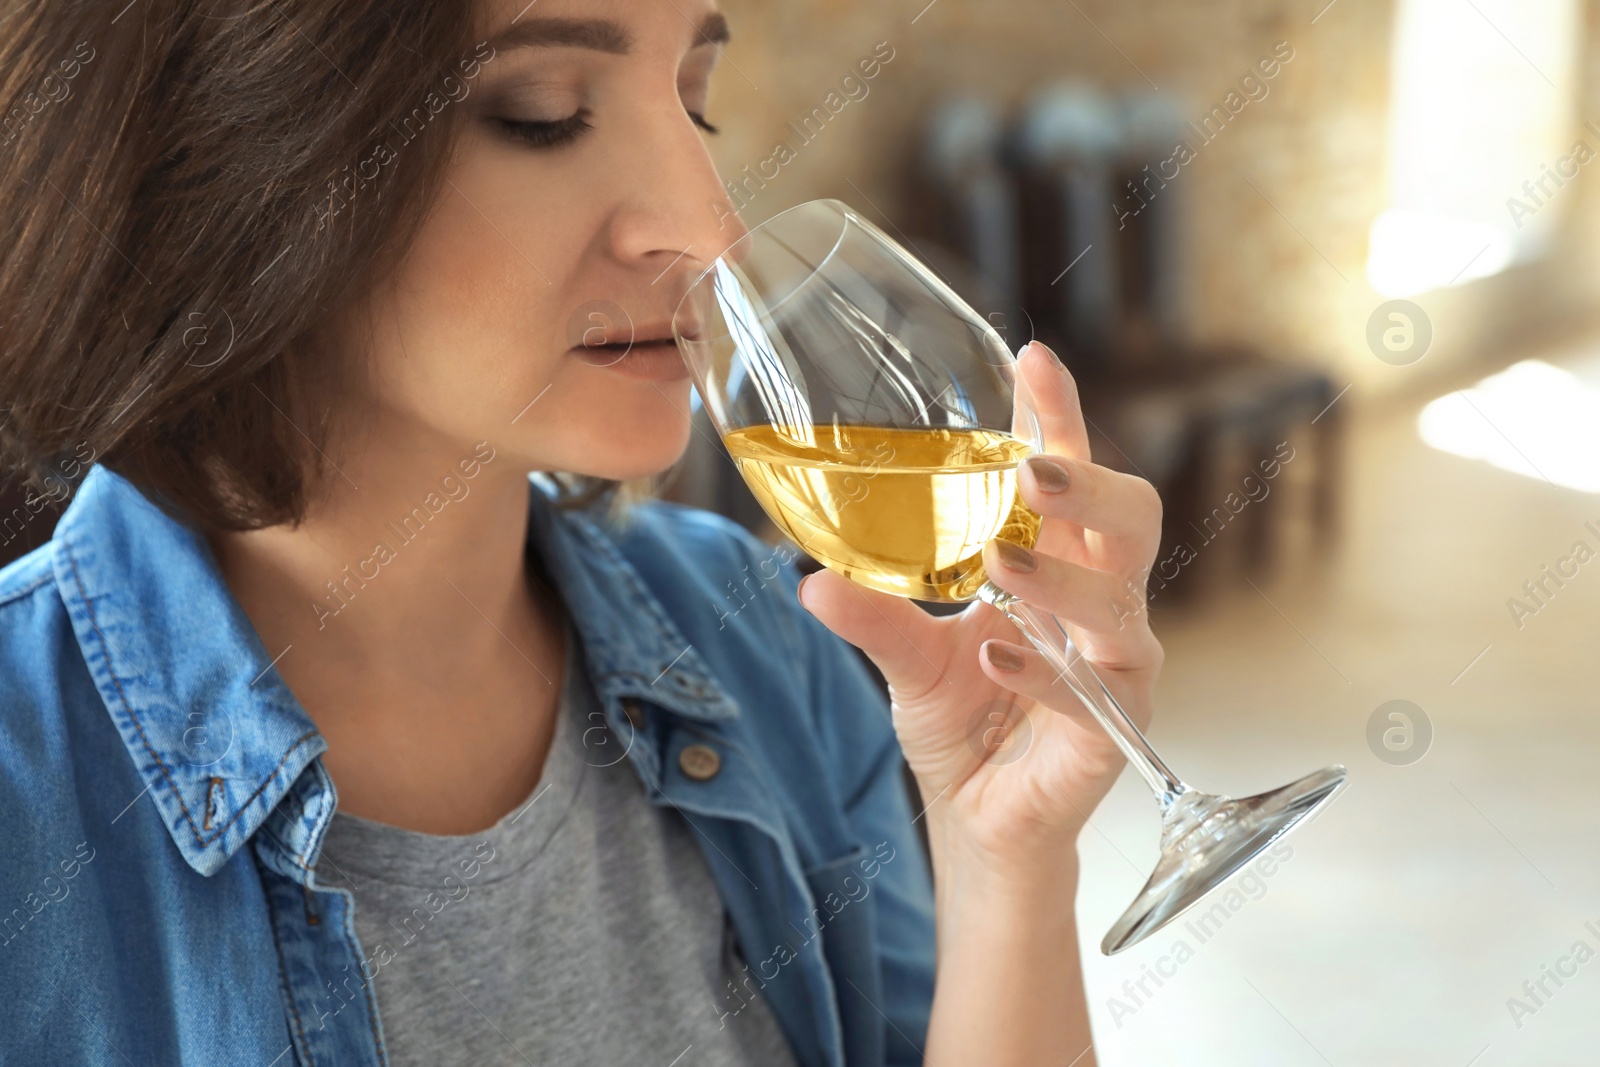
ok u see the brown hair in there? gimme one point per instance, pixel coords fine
(184, 199)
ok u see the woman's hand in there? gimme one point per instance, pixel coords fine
(1005, 800)
(1018, 792)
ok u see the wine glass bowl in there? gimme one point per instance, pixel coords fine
(874, 415)
(867, 406)
(902, 510)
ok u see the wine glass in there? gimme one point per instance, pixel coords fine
(871, 412)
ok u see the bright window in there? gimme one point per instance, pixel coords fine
(1534, 418)
(1482, 134)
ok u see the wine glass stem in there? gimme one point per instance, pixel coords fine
(1050, 637)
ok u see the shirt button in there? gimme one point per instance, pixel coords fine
(699, 762)
(630, 708)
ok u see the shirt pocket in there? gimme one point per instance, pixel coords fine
(843, 914)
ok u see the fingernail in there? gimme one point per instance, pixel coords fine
(1049, 475)
(1015, 557)
(800, 591)
(1003, 658)
(1023, 349)
(1056, 361)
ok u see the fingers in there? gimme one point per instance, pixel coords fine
(1094, 497)
(1053, 394)
(889, 629)
(1024, 671)
(1094, 600)
(1105, 605)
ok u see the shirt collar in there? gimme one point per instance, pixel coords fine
(209, 723)
(634, 647)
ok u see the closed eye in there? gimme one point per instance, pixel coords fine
(547, 134)
(557, 132)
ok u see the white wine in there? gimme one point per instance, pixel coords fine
(906, 511)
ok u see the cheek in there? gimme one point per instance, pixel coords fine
(470, 339)
(470, 328)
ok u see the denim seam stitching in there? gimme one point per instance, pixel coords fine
(305, 900)
(655, 613)
(366, 986)
(299, 856)
(283, 977)
(289, 854)
(105, 648)
(26, 590)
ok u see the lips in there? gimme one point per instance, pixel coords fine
(612, 340)
(641, 349)
(622, 336)
(652, 359)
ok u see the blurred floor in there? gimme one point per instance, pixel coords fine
(1414, 908)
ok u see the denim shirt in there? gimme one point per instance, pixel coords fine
(163, 797)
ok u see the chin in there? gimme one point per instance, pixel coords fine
(641, 455)
(608, 427)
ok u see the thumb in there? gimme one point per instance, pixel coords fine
(895, 634)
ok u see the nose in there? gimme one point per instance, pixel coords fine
(677, 217)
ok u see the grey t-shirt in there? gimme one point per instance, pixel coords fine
(583, 927)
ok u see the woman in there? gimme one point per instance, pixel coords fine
(329, 736)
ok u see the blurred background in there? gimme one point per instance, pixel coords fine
(1361, 234)
(1355, 244)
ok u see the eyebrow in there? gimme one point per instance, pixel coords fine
(599, 35)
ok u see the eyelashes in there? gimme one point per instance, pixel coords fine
(558, 132)
(547, 134)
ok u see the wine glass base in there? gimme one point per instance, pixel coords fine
(1206, 838)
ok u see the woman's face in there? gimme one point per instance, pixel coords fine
(548, 238)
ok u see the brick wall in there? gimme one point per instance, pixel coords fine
(1279, 204)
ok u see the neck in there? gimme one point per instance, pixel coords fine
(410, 563)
